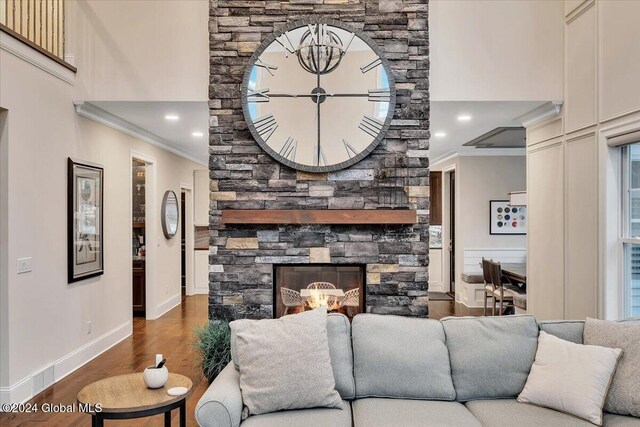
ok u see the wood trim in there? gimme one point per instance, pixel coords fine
(325, 216)
(34, 46)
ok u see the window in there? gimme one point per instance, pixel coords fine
(631, 229)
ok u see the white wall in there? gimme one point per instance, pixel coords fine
(139, 50)
(47, 318)
(480, 179)
(4, 248)
(495, 50)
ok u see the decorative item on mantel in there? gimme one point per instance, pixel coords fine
(393, 182)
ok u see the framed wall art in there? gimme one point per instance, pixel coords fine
(505, 219)
(85, 220)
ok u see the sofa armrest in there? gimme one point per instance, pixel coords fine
(221, 404)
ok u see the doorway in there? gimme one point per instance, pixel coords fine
(138, 228)
(450, 229)
(183, 243)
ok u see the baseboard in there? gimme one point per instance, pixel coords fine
(436, 287)
(201, 290)
(19, 392)
(168, 304)
(22, 390)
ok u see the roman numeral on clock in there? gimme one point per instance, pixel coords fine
(379, 95)
(371, 65)
(266, 126)
(322, 158)
(319, 33)
(267, 67)
(288, 150)
(371, 126)
(350, 150)
(286, 43)
(258, 95)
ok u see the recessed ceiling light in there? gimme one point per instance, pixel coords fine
(172, 117)
(440, 134)
(464, 118)
(197, 134)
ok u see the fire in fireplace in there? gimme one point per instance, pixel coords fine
(303, 287)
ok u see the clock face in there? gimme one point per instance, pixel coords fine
(318, 96)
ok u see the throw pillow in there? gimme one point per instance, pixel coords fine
(285, 363)
(571, 378)
(624, 395)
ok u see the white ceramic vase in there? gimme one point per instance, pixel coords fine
(155, 377)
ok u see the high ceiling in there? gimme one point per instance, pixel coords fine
(193, 117)
(177, 134)
(482, 118)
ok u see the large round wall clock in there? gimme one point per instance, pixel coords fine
(318, 96)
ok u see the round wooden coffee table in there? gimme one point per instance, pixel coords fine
(127, 396)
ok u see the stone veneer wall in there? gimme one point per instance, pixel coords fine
(245, 177)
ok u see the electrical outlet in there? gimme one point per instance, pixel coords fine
(89, 327)
(23, 265)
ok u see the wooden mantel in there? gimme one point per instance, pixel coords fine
(324, 216)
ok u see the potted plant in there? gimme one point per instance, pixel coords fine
(213, 345)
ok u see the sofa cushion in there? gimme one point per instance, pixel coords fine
(490, 356)
(339, 333)
(377, 412)
(339, 337)
(508, 412)
(400, 357)
(615, 420)
(317, 417)
(570, 377)
(285, 363)
(624, 394)
(568, 330)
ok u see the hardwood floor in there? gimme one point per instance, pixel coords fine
(170, 335)
(440, 309)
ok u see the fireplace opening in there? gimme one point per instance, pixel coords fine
(303, 287)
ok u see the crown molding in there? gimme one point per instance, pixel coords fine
(97, 114)
(476, 152)
(540, 113)
(28, 54)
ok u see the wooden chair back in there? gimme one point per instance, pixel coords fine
(486, 271)
(496, 274)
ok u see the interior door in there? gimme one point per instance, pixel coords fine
(183, 243)
(452, 232)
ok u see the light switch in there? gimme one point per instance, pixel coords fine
(23, 265)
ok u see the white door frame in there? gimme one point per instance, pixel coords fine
(151, 227)
(189, 248)
(4, 256)
(446, 229)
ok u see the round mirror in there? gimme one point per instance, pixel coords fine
(318, 95)
(170, 214)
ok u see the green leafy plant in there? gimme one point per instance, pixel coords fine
(213, 344)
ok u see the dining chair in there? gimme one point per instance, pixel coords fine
(351, 298)
(499, 289)
(321, 285)
(291, 299)
(488, 283)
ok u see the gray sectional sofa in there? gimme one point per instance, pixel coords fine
(397, 371)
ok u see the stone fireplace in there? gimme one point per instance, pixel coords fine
(348, 297)
(265, 216)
